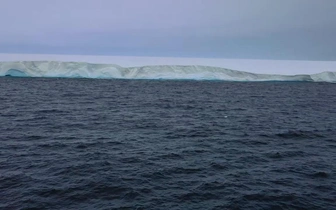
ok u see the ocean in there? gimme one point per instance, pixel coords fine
(160, 144)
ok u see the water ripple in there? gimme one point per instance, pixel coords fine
(116, 144)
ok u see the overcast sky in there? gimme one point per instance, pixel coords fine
(254, 29)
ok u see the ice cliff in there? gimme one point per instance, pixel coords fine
(111, 71)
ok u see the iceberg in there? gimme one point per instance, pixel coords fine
(167, 72)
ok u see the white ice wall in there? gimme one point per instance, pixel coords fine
(193, 72)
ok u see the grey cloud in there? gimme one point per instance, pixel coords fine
(229, 28)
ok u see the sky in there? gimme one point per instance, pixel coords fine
(245, 29)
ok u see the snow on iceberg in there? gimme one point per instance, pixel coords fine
(324, 77)
(111, 71)
(59, 69)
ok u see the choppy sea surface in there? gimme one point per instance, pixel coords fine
(142, 144)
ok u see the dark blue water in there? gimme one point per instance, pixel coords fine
(138, 144)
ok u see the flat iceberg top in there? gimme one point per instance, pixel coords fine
(174, 72)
